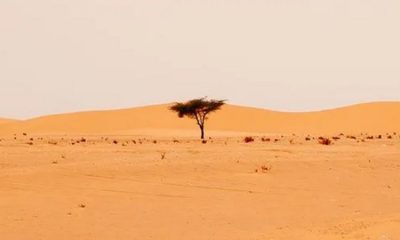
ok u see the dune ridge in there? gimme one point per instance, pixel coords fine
(379, 117)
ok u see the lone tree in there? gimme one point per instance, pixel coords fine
(198, 109)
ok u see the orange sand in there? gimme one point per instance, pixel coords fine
(370, 118)
(163, 183)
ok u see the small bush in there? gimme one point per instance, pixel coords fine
(163, 155)
(324, 141)
(265, 169)
(248, 139)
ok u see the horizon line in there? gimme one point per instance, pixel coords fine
(169, 103)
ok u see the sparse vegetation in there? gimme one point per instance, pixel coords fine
(264, 139)
(351, 137)
(248, 139)
(324, 141)
(163, 155)
(52, 142)
(265, 168)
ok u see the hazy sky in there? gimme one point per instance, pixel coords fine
(292, 55)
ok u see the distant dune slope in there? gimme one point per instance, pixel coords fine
(368, 118)
(5, 121)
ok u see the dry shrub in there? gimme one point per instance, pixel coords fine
(265, 139)
(336, 138)
(370, 137)
(248, 139)
(204, 141)
(308, 139)
(351, 137)
(115, 142)
(324, 141)
(52, 142)
(389, 137)
(155, 141)
(265, 168)
(83, 140)
(163, 155)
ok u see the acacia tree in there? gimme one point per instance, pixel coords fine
(198, 109)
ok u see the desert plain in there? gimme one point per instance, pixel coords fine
(144, 174)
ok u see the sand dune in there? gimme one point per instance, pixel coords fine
(372, 118)
(5, 121)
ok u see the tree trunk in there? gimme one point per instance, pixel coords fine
(202, 132)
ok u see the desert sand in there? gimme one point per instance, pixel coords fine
(5, 121)
(143, 173)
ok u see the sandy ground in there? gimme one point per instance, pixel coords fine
(59, 188)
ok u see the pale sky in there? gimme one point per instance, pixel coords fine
(290, 55)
